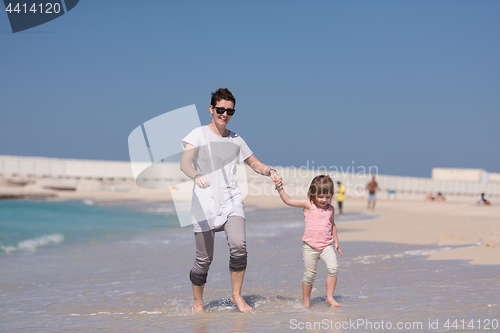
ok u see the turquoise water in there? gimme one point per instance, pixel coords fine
(27, 225)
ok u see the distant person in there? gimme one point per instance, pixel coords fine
(372, 188)
(482, 200)
(340, 196)
(438, 197)
(319, 235)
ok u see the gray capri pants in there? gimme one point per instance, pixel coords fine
(311, 256)
(236, 240)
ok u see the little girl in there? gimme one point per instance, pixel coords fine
(319, 234)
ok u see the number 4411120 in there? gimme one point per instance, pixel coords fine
(35, 8)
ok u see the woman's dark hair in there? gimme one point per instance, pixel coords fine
(322, 184)
(222, 93)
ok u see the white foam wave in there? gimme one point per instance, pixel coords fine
(31, 245)
(101, 313)
(369, 259)
(162, 210)
(88, 202)
(8, 249)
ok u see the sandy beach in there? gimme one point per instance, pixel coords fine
(444, 223)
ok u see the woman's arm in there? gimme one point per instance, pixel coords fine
(187, 167)
(334, 234)
(264, 170)
(301, 203)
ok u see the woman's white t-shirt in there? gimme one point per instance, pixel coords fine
(216, 158)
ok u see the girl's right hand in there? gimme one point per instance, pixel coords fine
(202, 182)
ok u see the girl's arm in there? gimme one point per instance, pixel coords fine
(334, 234)
(263, 169)
(301, 203)
(187, 167)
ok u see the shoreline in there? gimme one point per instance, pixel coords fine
(402, 221)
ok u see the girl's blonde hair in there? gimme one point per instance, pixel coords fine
(321, 184)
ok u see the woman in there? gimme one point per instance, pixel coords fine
(211, 154)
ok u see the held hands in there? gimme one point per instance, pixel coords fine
(201, 181)
(276, 179)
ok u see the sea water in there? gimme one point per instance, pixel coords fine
(84, 266)
(26, 225)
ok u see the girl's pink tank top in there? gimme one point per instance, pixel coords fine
(318, 232)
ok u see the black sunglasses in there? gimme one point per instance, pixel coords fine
(219, 110)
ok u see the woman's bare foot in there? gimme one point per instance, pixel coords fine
(197, 298)
(197, 307)
(333, 302)
(241, 304)
(307, 305)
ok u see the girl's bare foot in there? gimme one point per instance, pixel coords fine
(197, 307)
(333, 302)
(307, 305)
(241, 304)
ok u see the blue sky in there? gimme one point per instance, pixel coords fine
(402, 85)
